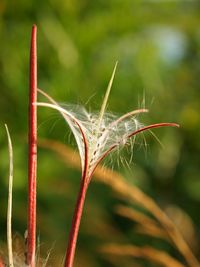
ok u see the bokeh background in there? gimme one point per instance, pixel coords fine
(157, 44)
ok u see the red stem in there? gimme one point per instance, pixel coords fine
(75, 224)
(32, 145)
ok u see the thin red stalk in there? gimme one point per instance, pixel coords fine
(32, 144)
(151, 126)
(69, 259)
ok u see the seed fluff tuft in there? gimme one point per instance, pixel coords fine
(96, 134)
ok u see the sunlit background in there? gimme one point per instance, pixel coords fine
(157, 45)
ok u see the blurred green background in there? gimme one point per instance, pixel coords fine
(157, 44)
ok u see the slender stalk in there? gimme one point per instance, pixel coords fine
(69, 259)
(32, 143)
(9, 212)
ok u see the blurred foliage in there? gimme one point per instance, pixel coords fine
(157, 44)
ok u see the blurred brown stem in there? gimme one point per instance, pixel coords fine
(117, 183)
(147, 225)
(148, 253)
